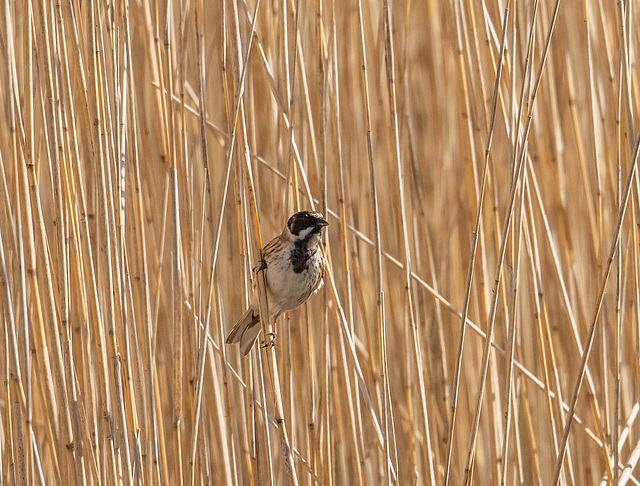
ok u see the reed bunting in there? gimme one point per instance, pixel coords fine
(294, 262)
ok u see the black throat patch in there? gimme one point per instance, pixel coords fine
(301, 253)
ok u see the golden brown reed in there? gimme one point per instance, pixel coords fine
(477, 163)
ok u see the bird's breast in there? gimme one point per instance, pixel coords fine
(294, 277)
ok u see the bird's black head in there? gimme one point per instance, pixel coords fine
(305, 223)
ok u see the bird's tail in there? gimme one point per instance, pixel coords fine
(246, 331)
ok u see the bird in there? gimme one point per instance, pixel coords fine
(294, 263)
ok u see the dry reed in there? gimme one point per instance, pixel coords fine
(480, 321)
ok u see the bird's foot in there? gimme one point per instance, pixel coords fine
(262, 265)
(271, 342)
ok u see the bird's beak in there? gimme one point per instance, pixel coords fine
(322, 222)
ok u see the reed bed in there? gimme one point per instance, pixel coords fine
(477, 162)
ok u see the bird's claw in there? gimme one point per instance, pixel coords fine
(262, 265)
(273, 337)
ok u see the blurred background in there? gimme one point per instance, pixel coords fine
(476, 163)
